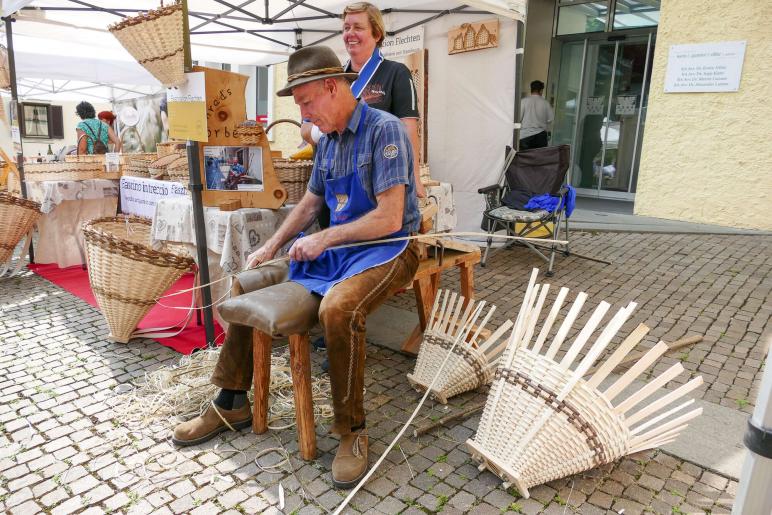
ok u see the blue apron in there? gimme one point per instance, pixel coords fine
(348, 201)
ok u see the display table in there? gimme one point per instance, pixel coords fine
(65, 206)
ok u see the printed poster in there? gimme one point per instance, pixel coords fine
(187, 109)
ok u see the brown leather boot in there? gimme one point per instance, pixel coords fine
(212, 422)
(350, 463)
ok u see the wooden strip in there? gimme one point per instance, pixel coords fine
(664, 401)
(660, 417)
(651, 387)
(520, 320)
(444, 322)
(434, 309)
(584, 335)
(441, 314)
(465, 318)
(636, 370)
(484, 322)
(566, 325)
(605, 337)
(495, 336)
(656, 433)
(553, 314)
(534, 317)
(452, 325)
(616, 358)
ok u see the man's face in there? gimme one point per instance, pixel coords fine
(315, 100)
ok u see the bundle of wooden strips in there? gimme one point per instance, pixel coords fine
(57, 171)
(17, 218)
(472, 360)
(155, 40)
(543, 420)
(127, 276)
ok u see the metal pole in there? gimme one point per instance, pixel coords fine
(19, 113)
(198, 207)
(756, 476)
(519, 49)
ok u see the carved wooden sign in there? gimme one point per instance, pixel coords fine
(233, 170)
(473, 36)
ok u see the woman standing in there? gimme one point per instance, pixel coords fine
(93, 134)
(383, 84)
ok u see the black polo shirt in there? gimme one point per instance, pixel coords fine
(391, 89)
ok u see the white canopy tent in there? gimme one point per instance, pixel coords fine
(62, 44)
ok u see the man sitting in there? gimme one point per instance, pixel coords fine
(363, 171)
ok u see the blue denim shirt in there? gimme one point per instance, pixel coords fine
(384, 159)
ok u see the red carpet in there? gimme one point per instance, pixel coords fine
(75, 280)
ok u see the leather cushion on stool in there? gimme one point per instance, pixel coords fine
(259, 278)
(281, 309)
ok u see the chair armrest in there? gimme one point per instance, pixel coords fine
(493, 195)
(489, 189)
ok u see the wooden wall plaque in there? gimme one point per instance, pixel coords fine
(226, 109)
(473, 36)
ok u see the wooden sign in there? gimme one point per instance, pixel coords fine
(233, 170)
(473, 36)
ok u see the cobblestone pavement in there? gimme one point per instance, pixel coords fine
(56, 367)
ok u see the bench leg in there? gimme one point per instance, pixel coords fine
(261, 375)
(467, 282)
(300, 364)
(425, 291)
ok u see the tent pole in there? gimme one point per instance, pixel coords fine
(198, 207)
(15, 102)
(519, 47)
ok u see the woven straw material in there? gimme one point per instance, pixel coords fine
(170, 147)
(127, 276)
(249, 133)
(544, 419)
(17, 217)
(137, 165)
(63, 171)
(157, 168)
(155, 40)
(178, 170)
(95, 158)
(294, 176)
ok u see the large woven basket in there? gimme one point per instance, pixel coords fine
(137, 165)
(127, 276)
(293, 175)
(471, 363)
(17, 217)
(58, 171)
(155, 40)
(94, 158)
(545, 420)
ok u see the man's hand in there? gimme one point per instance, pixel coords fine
(308, 247)
(420, 190)
(261, 255)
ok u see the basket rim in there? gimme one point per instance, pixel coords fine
(141, 252)
(7, 198)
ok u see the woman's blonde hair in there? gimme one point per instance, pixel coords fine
(373, 15)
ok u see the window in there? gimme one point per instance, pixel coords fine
(42, 121)
(629, 14)
(582, 18)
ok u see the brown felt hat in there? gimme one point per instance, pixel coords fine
(312, 63)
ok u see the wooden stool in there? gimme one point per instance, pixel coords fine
(427, 281)
(282, 309)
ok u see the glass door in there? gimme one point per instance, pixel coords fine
(600, 107)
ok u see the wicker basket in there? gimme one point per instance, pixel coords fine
(155, 40)
(178, 170)
(544, 420)
(157, 168)
(95, 158)
(58, 171)
(250, 133)
(17, 217)
(294, 176)
(137, 165)
(170, 147)
(126, 274)
(471, 363)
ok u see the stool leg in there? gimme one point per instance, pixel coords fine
(261, 375)
(300, 363)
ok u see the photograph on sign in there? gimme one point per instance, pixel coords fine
(233, 168)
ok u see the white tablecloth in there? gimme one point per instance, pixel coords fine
(445, 219)
(65, 206)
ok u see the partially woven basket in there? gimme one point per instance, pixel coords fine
(543, 420)
(155, 40)
(17, 218)
(471, 362)
(127, 276)
(57, 171)
(293, 175)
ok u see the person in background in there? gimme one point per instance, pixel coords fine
(535, 116)
(108, 117)
(383, 84)
(93, 135)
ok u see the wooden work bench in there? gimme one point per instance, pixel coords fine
(426, 282)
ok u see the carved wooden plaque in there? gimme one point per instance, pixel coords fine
(232, 170)
(473, 36)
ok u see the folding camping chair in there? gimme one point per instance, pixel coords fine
(527, 174)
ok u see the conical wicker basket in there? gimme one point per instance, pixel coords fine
(471, 363)
(17, 218)
(155, 40)
(545, 420)
(127, 276)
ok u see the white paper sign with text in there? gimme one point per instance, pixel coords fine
(403, 43)
(705, 67)
(139, 196)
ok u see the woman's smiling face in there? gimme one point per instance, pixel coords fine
(358, 36)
